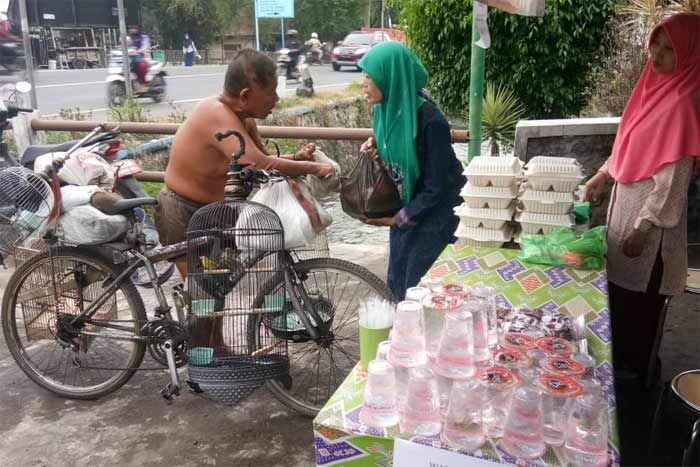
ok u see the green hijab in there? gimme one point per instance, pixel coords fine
(400, 75)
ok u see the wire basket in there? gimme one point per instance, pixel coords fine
(26, 201)
(317, 248)
(235, 251)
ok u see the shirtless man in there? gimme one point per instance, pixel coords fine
(198, 163)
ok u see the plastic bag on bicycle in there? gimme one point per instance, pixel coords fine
(85, 225)
(301, 214)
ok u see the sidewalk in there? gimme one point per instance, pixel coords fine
(134, 426)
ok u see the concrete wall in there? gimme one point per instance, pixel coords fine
(590, 141)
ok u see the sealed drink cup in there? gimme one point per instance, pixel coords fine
(417, 294)
(379, 405)
(408, 336)
(454, 289)
(499, 384)
(518, 341)
(511, 359)
(488, 296)
(478, 309)
(555, 346)
(463, 428)
(586, 443)
(420, 414)
(563, 366)
(455, 355)
(431, 283)
(522, 435)
(557, 391)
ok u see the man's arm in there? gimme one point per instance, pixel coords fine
(225, 120)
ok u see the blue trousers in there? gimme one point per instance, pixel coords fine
(413, 251)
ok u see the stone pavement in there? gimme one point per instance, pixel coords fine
(134, 427)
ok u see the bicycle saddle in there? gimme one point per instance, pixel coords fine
(112, 204)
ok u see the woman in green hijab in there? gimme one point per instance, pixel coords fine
(413, 137)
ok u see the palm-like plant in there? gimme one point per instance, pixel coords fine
(501, 112)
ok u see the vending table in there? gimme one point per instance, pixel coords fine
(340, 440)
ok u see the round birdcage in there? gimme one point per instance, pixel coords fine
(26, 201)
(234, 248)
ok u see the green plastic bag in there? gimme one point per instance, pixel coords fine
(582, 212)
(563, 247)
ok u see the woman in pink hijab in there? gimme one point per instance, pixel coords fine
(655, 153)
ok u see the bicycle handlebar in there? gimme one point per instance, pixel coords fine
(220, 136)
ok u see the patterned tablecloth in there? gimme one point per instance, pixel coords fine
(340, 439)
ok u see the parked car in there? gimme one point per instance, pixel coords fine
(355, 45)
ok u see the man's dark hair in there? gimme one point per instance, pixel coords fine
(247, 65)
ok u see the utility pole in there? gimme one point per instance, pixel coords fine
(476, 92)
(369, 13)
(28, 57)
(257, 28)
(125, 48)
(382, 21)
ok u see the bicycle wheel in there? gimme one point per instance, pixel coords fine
(337, 289)
(55, 355)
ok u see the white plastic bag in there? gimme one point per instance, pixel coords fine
(85, 225)
(82, 168)
(298, 228)
(72, 195)
(322, 187)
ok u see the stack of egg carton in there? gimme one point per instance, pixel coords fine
(489, 201)
(548, 196)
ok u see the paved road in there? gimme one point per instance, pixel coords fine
(86, 89)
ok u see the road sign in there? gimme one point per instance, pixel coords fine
(275, 8)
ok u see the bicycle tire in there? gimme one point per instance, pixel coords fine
(307, 267)
(10, 308)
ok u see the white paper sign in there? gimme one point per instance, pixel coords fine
(481, 16)
(408, 454)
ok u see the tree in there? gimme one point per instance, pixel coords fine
(546, 61)
(204, 20)
(331, 19)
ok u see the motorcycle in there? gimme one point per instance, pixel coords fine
(116, 85)
(315, 57)
(284, 62)
(11, 58)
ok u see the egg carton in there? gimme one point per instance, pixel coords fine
(552, 160)
(494, 171)
(477, 197)
(547, 202)
(536, 223)
(485, 218)
(480, 237)
(546, 176)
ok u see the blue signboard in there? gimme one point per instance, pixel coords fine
(275, 8)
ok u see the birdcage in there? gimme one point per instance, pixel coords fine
(26, 201)
(235, 251)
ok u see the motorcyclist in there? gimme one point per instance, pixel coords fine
(315, 47)
(295, 49)
(139, 50)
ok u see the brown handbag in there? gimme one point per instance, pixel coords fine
(368, 191)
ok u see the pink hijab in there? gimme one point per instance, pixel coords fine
(661, 123)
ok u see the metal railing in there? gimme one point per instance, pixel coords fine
(286, 132)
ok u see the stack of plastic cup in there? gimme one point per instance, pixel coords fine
(557, 392)
(383, 350)
(435, 307)
(407, 348)
(488, 296)
(511, 359)
(586, 441)
(431, 283)
(522, 435)
(455, 355)
(379, 406)
(463, 428)
(417, 294)
(420, 414)
(454, 289)
(586, 360)
(478, 311)
(408, 336)
(499, 384)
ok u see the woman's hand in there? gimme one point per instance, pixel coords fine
(381, 222)
(370, 147)
(595, 187)
(633, 245)
(306, 153)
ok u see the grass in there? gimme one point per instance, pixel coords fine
(152, 188)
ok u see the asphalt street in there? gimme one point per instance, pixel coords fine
(86, 89)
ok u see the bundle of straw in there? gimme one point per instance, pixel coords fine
(376, 313)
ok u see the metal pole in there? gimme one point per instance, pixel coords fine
(476, 93)
(382, 21)
(28, 57)
(369, 13)
(257, 29)
(125, 48)
(282, 30)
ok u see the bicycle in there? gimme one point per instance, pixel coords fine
(77, 326)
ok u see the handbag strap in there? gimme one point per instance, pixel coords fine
(306, 204)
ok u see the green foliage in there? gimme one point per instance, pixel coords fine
(501, 113)
(131, 111)
(546, 61)
(331, 19)
(152, 188)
